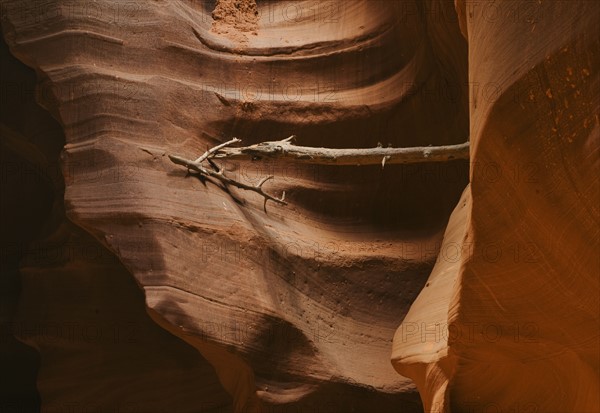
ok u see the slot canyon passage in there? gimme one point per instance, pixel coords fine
(129, 285)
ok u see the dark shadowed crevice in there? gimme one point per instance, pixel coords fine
(30, 187)
(91, 346)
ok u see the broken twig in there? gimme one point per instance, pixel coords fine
(322, 156)
(285, 149)
(219, 173)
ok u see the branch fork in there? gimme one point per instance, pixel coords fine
(218, 172)
(286, 149)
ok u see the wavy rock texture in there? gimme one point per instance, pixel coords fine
(510, 321)
(92, 347)
(296, 307)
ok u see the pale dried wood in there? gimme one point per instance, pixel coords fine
(220, 175)
(285, 149)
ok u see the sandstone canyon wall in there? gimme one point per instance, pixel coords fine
(143, 289)
(510, 321)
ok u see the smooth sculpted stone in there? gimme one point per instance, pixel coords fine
(510, 320)
(296, 307)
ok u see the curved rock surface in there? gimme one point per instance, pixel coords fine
(85, 343)
(510, 320)
(295, 307)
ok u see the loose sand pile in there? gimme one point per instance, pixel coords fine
(235, 18)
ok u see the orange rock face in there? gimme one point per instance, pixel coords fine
(510, 321)
(191, 293)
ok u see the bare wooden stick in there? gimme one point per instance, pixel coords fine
(219, 174)
(323, 156)
(211, 151)
(327, 156)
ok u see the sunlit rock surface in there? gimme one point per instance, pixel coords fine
(206, 302)
(510, 319)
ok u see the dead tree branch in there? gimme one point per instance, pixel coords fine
(211, 151)
(219, 173)
(285, 149)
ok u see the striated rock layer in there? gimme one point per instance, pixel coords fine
(295, 307)
(85, 343)
(510, 319)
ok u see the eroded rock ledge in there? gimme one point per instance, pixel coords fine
(296, 307)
